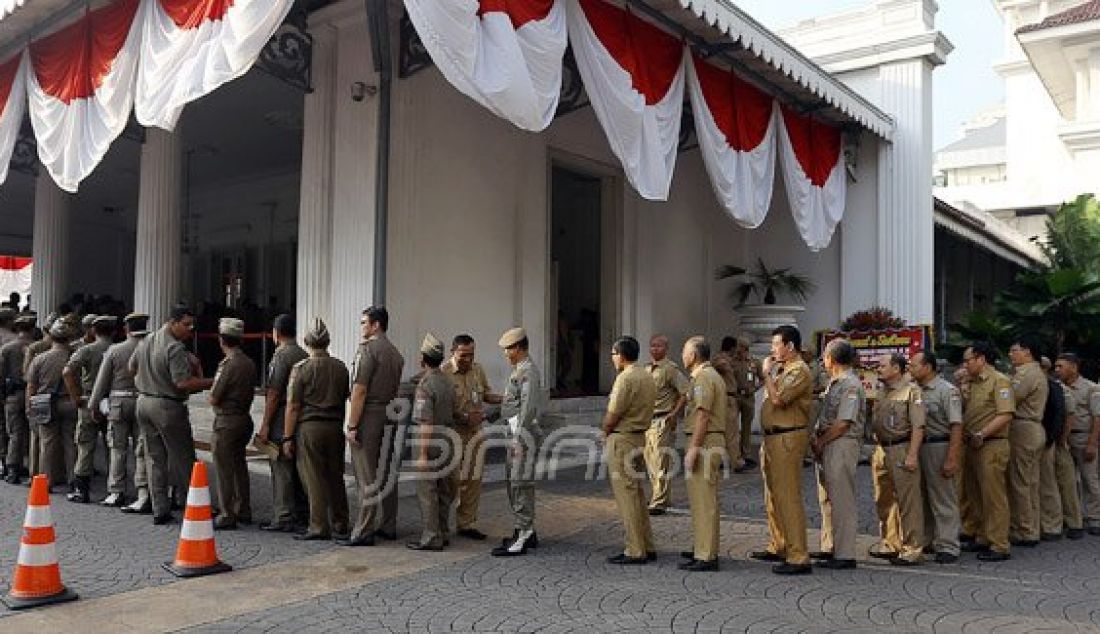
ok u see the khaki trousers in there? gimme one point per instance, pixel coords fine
(169, 449)
(1065, 472)
(34, 447)
(985, 491)
(5, 439)
(941, 501)
(627, 472)
(15, 418)
(702, 489)
(1090, 479)
(466, 479)
(320, 462)
(659, 450)
(781, 461)
(228, 445)
(122, 430)
(733, 435)
(435, 492)
(836, 493)
(1026, 440)
(747, 407)
(57, 441)
(87, 436)
(1050, 498)
(898, 501)
(519, 469)
(377, 467)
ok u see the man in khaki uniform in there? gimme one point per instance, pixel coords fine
(1026, 439)
(231, 397)
(33, 350)
(471, 389)
(376, 376)
(288, 499)
(788, 386)
(987, 414)
(115, 384)
(672, 389)
(80, 374)
(898, 424)
(940, 456)
(1083, 438)
(50, 409)
(705, 426)
(749, 379)
(838, 434)
(15, 399)
(434, 410)
(723, 364)
(7, 335)
(1059, 507)
(317, 394)
(629, 414)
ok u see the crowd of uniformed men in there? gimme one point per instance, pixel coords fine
(981, 466)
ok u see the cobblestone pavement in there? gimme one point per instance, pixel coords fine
(567, 586)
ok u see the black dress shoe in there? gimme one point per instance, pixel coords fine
(993, 555)
(882, 554)
(836, 564)
(767, 555)
(79, 496)
(311, 537)
(1094, 531)
(750, 463)
(532, 542)
(362, 540)
(386, 535)
(651, 555)
(974, 547)
(224, 523)
(472, 533)
(821, 555)
(1050, 537)
(161, 520)
(687, 554)
(277, 527)
(903, 562)
(507, 551)
(624, 560)
(792, 569)
(963, 537)
(1025, 543)
(12, 477)
(116, 500)
(656, 510)
(946, 558)
(1075, 533)
(432, 546)
(697, 565)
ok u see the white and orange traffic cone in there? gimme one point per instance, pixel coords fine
(196, 554)
(37, 579)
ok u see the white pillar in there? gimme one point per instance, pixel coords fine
(159, 225)
(315, 206)
(52, 211)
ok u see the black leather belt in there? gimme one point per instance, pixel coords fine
(1080, 431)
(892, 443)
(641, 431)
(166, 398)
(937, 439)
(775, 431)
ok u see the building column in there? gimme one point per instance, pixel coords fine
(160, 225)
(315, 206)
(50, 243)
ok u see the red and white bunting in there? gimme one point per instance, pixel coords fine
(504, 54)
(812, 156)
(191, 47)
(634, 75)
(735, 123)
(15, 275)
(80, 87)
(13, 103)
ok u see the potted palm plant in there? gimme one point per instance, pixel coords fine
(767, 285)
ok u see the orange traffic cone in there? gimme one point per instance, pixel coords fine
(196, 554)
(37, 579)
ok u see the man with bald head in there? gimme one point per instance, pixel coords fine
(672, 389)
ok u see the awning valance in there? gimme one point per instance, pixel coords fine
(150, 56)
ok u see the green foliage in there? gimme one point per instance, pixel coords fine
(765, 283)
(975, 326)
(1073, 235)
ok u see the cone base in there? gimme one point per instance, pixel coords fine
(22, 603)
(187, 571)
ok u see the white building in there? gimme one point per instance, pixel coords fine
(469, 224)
(1023, 159)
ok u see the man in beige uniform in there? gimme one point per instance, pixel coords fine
(50, 409)
(672, 390)
(7, 335)
(471, 391)
(940, 456)
(376, 376)
(1059, 507)
(1083, 438)
(749, 379)
(705, 425)
(987, 414)
(1026, 439)
(723, 364)
(15, 400)
(231, 397)
(898, 424)
(838, 434)
(434, 411)
(629, 414)
(788, 398)
(33, 350)
(80, 374)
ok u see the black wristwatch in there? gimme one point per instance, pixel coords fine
(290, 439)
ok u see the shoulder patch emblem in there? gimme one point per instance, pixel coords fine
(1005, 393)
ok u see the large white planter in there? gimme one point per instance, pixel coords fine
(758, 321)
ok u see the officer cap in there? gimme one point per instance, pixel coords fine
(431, 346)
(6, 313)
(88, 320)
(50, 318)
(231, 327)
(28, 320)
(318, 336)
(135, 316)
(104, 320)
(62, 329)
(512, 337)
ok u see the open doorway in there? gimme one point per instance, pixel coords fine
(576, 265)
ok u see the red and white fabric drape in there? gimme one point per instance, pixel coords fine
(812, 156)
(634, 75)
(191, 47)
(80, 88)
(13, 103)
(15, 276)
(504, 54)
(735, 123)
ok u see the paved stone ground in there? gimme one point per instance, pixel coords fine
(566, 585)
